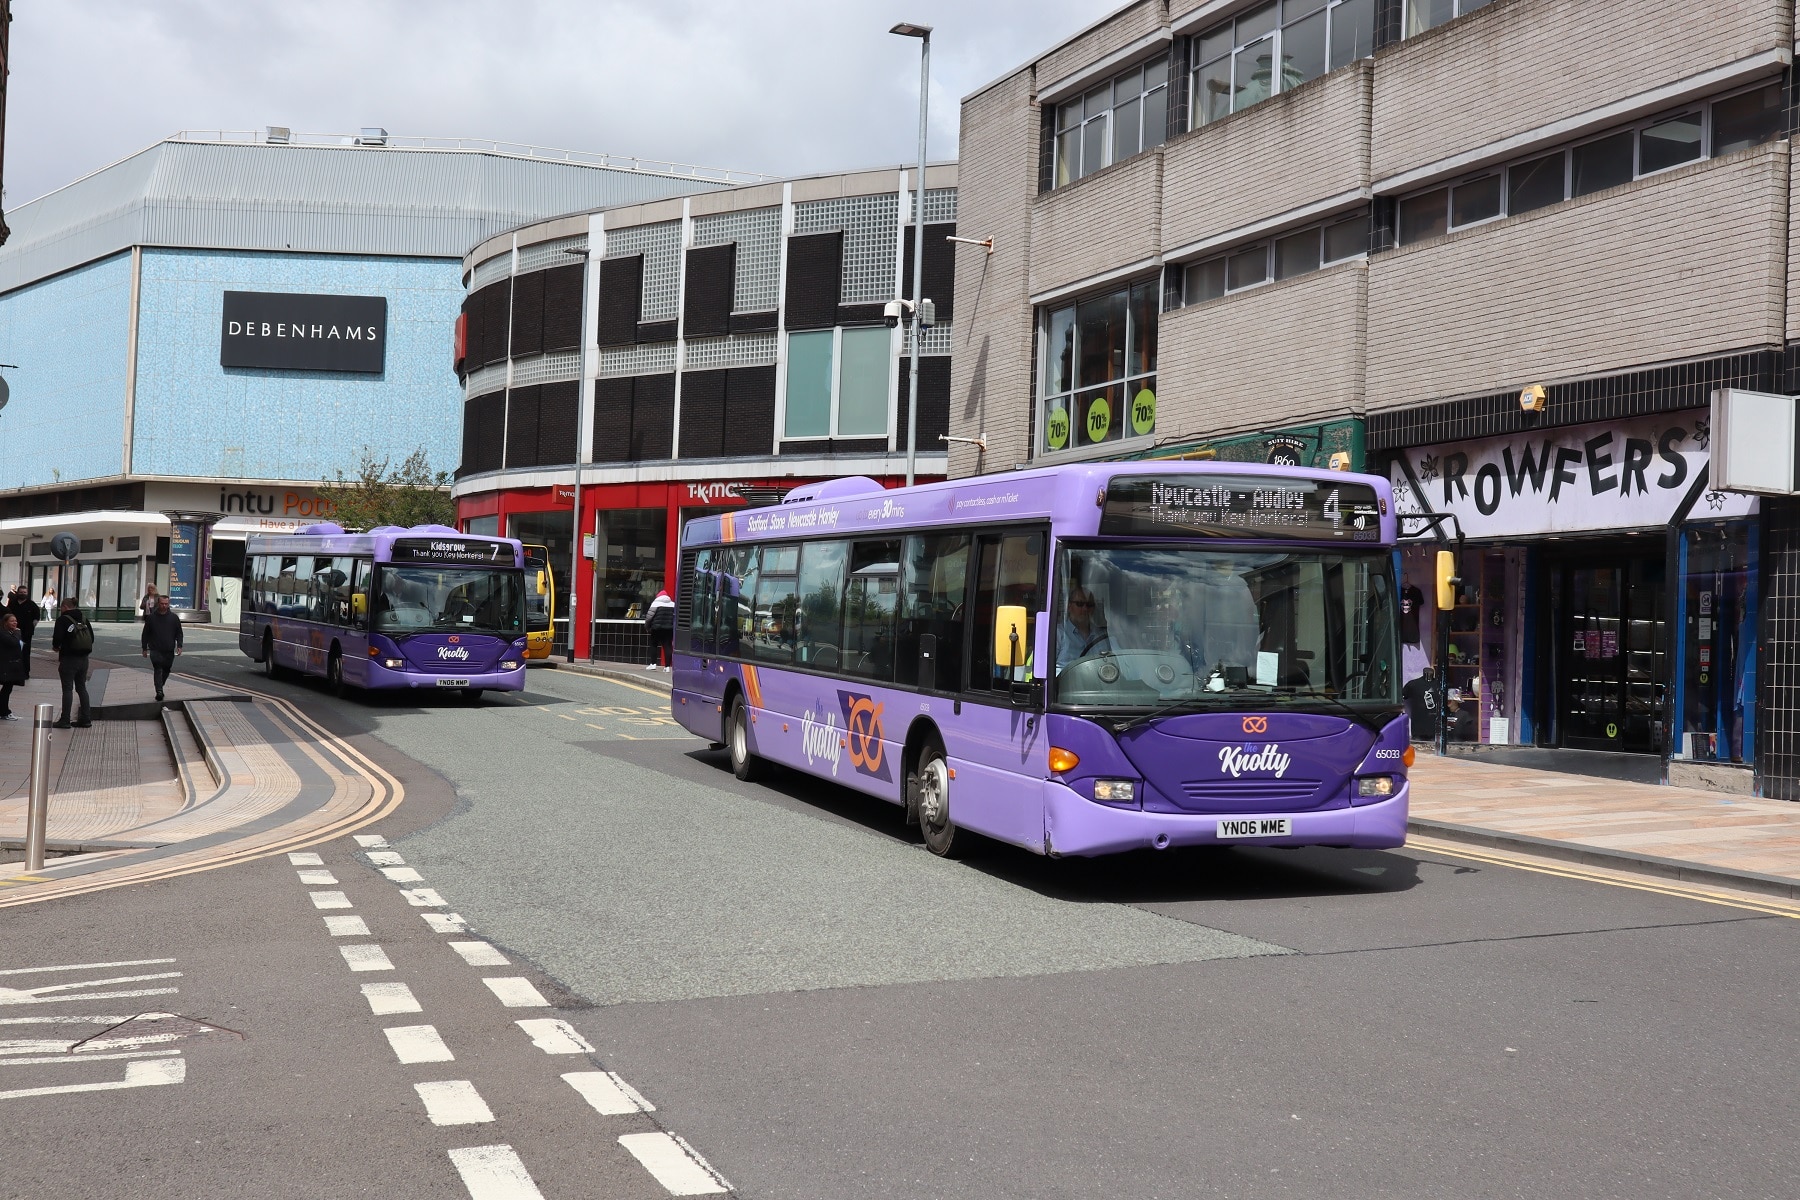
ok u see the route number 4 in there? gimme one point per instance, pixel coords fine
(1333, 508)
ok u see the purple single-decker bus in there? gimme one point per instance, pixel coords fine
(1078, 660)
(425, 607)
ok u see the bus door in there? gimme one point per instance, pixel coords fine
(712, 595)
(1000, 764)
(540, 602)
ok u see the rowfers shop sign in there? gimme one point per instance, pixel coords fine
(1628, 474)
(303, 333)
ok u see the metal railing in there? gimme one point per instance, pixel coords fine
(617, 162)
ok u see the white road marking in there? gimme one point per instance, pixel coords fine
(130, 962)
(387, 998)
(516, 992)
(38, 1060)
(675, 1165)
(403, 875)
(386, 858)
(418, 1043)
(494, 1173)
(423, 897)
(480, 954)
(446, 922)
(347, 927)
(140, 1073)
(301, 858)
(330, 900)
(41, 994)
(370, 841)
(366, 958)
(317, 878)
(609, 1095)
(555, 1037)
(453, 1102)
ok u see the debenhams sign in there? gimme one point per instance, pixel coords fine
(303, 333)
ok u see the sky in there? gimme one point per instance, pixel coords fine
(777, 86)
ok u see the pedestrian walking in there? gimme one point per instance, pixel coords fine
(661, 619)
(73, 640)
(147, 605)
(25, 611)
(161, 641)
(12, 663)
(50, 609)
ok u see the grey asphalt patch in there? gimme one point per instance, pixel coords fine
(634, 885)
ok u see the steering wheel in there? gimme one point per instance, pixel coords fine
(1094, 639)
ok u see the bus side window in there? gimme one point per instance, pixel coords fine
(777, 601)
(1009, 571)
(737, 595)
(704, 589)
(289, 600)
(359, 594)
(934, 573)
(821, 624)
(869, 603)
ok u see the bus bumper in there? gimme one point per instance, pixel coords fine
(1076, 826)
(502, 681)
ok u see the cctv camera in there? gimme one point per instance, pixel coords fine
(895, 311)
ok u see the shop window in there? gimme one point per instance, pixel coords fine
(629, 551)
(837, 383)
(1099, 369)
(483, 526)
(1718, 663)
(1112, 122)
(555, 532)
(1235, 62)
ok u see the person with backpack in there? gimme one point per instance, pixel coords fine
(161, 641)
(73, 641)
(661, 619)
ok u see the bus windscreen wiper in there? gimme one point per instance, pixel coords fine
(1372, 723)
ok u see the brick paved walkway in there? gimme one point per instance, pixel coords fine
(1709, 829)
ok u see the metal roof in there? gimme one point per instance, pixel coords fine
(410, 196)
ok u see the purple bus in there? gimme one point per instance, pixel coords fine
(1077, 660)
(425, 607)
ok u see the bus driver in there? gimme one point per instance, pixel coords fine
(1081, 633)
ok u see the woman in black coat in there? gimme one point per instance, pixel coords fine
(12, 664)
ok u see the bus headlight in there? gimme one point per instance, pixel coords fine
(394, 663)
(509, 665)
(1374, 785)
(1119, 791)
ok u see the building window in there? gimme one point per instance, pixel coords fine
(1235, 61)
(1429, 14)
(1114, 121)
(1099, 369)
(1284, 257)
(837, 383)
(1661, 143)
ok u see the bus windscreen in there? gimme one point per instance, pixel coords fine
(449, 599)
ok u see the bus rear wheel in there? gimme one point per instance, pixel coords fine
(745, 765)
(270, 670)
(930, 786)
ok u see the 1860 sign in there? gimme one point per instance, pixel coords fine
(303, 333)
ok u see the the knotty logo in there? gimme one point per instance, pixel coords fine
(1236, 760)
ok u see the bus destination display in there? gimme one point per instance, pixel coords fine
(1240, 506)
(452, 552)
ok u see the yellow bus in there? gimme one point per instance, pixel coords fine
(540, 602)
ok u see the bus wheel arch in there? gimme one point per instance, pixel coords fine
(745, 764)
(334, 671)
(923, 732)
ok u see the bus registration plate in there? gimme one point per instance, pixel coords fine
(453, 683)
(1256, 827)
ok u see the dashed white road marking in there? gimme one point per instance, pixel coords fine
(386, 858)
(480, 954)
(301, 858)
(675, 1165)
(330, 900)
(555, 1037)
(423, 897)
(370, 841)
(346, 927)
(319, 877)
(366, 958)
(418, 1043)
(516, 992)
(139, 1073)
(446, 922)
(453, 1102)
(494, 1173)
(387, 998)
(609, 1095)
(403, 875)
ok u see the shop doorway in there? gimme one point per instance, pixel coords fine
(1612, 659)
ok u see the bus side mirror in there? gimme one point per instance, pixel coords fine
(1009, 635)
(1446, 580)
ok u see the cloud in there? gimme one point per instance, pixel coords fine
(783, 88)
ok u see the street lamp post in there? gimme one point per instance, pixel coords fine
(923, 33)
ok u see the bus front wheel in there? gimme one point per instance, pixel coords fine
(334, 675)
(745, 765)
(930, 784)
(270, 670)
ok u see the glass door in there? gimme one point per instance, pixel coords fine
(1613, 647)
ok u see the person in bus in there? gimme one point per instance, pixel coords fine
(1081, 632)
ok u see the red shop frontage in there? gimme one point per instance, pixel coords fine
(635, 532)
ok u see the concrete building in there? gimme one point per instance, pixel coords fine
(1288, 230)
(211, 326)
(733, 347)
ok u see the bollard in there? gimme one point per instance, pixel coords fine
(37, 816)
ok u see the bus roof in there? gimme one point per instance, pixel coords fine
(433, 544)
(1078, 499)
